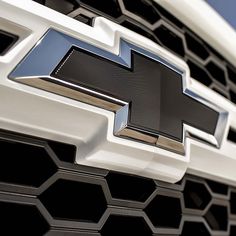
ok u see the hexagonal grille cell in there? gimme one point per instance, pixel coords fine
(196, 195)
(196, 46)
(141, 8)
(130, 187)
(25, 163)
(199, 73)
(117, 225)
(217, 216)
(64, 152)
(164, 211)
(19, 219)
(72, 200)
(167, 16)
(170, 39)
(194, 229)
(216, 72)
(217, 187)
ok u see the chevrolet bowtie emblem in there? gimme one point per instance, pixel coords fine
(146, 93)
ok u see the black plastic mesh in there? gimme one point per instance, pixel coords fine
(148, 18)
(46, 193)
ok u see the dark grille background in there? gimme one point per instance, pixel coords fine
(43, 193)
(149, 19)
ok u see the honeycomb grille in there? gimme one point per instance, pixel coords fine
(149, 19)
(42, 192)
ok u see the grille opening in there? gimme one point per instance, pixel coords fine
(84, 19)
(196, 195)
(216, 72)
(233, 203)
(65, 152)
(130, 187)
(194, 229)
(126, 226)
(75, 201)
(138, 30)
(232, 230)
(6, 41)
(232, 96)
(196, 46)
(231, 74)
(19, 219)
(64, 6)
(232, 136)
(168, 16)
(25, 164)
(141, 8)
(199, 73)
(109, 7)
(164, 211)
(217, 187)
(216, 217)
(170, 40)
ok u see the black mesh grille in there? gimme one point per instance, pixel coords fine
(42, 192)
(149, 19)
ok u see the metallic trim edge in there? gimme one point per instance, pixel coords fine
(35, 71)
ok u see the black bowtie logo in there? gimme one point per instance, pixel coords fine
(149, 90)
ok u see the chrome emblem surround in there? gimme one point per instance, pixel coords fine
(36, 69)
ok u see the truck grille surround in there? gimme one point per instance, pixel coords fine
(42, 191)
